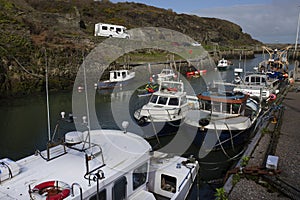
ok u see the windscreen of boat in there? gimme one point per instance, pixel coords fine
(162, 100)
(173, 102)
(123, 74)
(183, 100)
(153, 98)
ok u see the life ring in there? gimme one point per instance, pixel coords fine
(190, 73)
(272, 97)
(51, 190)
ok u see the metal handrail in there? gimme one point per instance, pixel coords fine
(80, 189)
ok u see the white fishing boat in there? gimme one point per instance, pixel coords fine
(117, 78)
(96, 164)
(166, 74)
(168, 106)
(223, 64)
(258, 85)
(224, 120)
(113, 165)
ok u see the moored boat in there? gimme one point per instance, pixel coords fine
(277, 65)
(258, 85)
(224, 120)
(166, 74)
(223, 64)
(166, 108)
(113, 165)
(117, 78)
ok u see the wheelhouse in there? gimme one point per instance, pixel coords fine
(223, 103)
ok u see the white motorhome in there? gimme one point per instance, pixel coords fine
(110, 30)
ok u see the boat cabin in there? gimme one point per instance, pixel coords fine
(116, 166)
(230, 103)
(119, 75)
(263, 80)
(169, 103)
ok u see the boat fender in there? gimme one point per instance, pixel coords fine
(203, 122)
(142, 121)
(172, 89)
(51, 190)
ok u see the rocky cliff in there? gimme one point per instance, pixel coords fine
(59, 33)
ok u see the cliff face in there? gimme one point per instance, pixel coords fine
(61, 33)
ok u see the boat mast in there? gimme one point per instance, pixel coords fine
(47, 98)
(87, 106)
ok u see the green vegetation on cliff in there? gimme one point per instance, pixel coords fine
(61, 32)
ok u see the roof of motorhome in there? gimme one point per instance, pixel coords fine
(110, 24)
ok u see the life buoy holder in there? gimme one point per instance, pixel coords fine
(50, 190)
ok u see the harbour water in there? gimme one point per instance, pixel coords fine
(23, 124)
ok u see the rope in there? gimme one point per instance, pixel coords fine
(20, 65)
(220, 141)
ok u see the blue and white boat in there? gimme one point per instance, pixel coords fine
(224, 120)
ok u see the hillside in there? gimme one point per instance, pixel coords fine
(61, 32)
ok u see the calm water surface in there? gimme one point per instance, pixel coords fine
(23, 121)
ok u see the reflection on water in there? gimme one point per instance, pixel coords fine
(24, 124)
(23, 121)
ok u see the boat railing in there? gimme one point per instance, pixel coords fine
(171, 86)
(159, 114)
(80, 190)
(51, 151)
(89, 156)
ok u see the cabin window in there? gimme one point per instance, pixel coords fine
(139, 176)
(153, 99)
(162, 100)
(168, 183)
(111, 28)
(247, 79)
(118, 30)
(119, 189)
(115, 75)
(101, 195)
(216, 106)
(104, 28)
(206, 105)
(235, 108)
(183, 100)
(257, 80)
(123, 74)
(253, 80)
(173, 102)
(226, 107)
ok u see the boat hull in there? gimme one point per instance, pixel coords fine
(111, 85)
(215, 139)
(151, 129)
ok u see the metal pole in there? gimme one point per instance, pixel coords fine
(297, 35)
(87, 106)
(47, 98)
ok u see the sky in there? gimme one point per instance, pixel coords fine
(269, 21)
